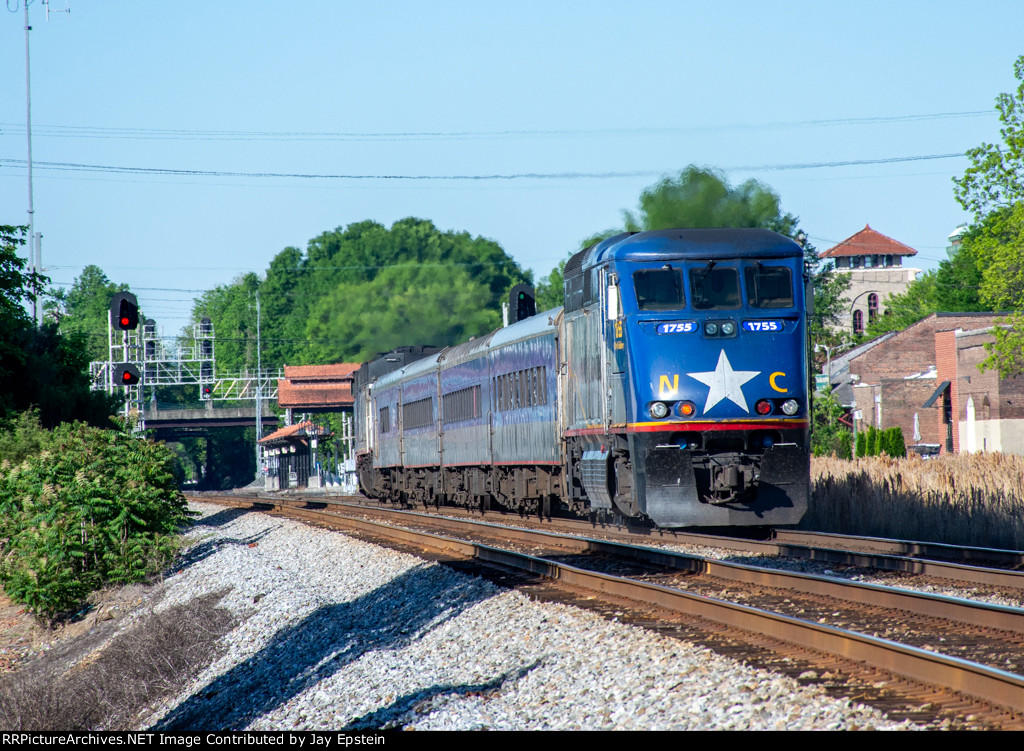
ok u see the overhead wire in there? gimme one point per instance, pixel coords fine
(566, 175)
(125, 132)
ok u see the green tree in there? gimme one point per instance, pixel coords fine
(993, 189)
(828, 434)
(702, 197)
(953, 288)
(352, 259)
(84, 309)
(39, 367)
(16, 286)
(232, 309)
(86, 508)
(551, 288)
(995, 178)
(405, 304)
(283, 309)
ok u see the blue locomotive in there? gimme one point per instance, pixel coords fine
(672, 386)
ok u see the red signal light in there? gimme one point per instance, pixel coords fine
(763, 407)
(124, 311)
(126, 374)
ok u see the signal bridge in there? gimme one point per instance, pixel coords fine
(140, 360)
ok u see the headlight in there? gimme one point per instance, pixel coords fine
(791, 406)
(710, 328)
(659, 410)
(728, 328)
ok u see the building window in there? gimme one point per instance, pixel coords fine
(854, 262)
(872, 307)
(858, 322)
(869, 261)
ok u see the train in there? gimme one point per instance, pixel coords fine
(671, 389)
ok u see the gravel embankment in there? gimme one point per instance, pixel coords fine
(335, 633)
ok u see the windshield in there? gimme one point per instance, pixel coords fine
(659, 289)
(714, 287)
(769, 286)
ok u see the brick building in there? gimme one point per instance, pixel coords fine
(874, 263)
(316, 388)
(976, 410)
(305, 454)
(892, 380)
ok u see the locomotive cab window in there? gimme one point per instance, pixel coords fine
(659, 289)
(769, 286)
(714, 287)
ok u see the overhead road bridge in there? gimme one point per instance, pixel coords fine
(172, 424)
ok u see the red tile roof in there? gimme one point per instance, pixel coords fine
(298, 430)
(868, 242)
(305, 394)
(317, 386)
(338, 371)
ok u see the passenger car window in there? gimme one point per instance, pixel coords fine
(713, 288)
(769, 286)
(659, 289)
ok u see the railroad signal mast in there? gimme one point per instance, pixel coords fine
(138, 357)
(124, 350)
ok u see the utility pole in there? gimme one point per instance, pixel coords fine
(35, 240)
(37, 309)
(259, 399)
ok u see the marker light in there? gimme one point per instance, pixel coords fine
(659, 410)
(791, 406)
(763, 407)
(686, 409)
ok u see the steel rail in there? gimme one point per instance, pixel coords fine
(994, 577)
(988, 684)
(969, 612)
(938, 560)
(909, 548)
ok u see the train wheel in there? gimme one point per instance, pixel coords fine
(624, 499)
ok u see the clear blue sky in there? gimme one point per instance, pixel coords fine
(603, 97)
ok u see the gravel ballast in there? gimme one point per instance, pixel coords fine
(337, 633)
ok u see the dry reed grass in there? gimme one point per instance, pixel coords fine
(120, 678)
(966, 499)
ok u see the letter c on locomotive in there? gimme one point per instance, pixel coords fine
(771, 381)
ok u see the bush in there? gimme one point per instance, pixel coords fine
(862, 444)
(88, 507)
(828, 434)
(895, 446)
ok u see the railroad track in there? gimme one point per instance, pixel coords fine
(942, 655)
(990, 568)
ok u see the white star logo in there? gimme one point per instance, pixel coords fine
(725, 383)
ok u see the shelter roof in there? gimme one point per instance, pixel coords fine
(297, 432)
(317, 387)
(337, 371)
(869, 242)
